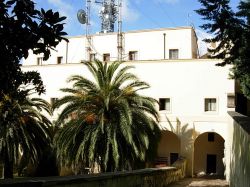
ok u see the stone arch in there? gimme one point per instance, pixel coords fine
(169, 146)
(209, 154)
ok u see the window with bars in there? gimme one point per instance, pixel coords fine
(59, 59)
(106, 57)
(164, 104)
(39, 60)
(53, 100)
(133, 55)
(173, 53)
(230, 100)
(92, 57)
(210, 104)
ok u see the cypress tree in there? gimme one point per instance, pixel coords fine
(231, 30)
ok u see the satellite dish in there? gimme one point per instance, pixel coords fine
(81, 16)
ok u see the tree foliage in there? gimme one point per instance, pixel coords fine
(23, 28)
(231, 31)
(22, 128)
(106, 121)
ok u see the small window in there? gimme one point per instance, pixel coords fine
(164, 104)
(230, 101)
(210, 137)
(53, 100)
(173, 53)
(106, 57)
(92, 57)
(59, 59)
(133, 55)
(210, 104)
(39, 60)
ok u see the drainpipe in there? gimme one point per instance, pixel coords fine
(164, 43)
(67, 47)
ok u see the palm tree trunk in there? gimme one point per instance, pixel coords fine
(7, 168)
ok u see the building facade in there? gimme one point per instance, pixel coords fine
(194, 94)
(159, 44)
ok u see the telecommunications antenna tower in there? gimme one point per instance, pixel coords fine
(108, 15)
(84, 18)
(81, 16)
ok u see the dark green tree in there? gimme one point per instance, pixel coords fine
(22, 28)
(106, 121)
(24, 131)
(231, 30)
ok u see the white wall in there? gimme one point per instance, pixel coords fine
(148, 43)
(186, 82)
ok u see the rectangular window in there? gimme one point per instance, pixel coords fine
(173, 53)
(39, 60)
(53, 100)
(210, 137)
(164, 104)
(92, 57)
(210, 104)
(106, 57)
(59, 59)
(230, 100)
(133, 55)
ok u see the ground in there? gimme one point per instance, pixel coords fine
(200, 182)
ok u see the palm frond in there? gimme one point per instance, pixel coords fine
(112, 124)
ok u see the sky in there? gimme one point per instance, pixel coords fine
(136, 14)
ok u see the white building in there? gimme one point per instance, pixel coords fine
(194, 94)
(174, 43)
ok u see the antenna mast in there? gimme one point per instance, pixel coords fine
(108, 14)
(88, 37)
(119, 34)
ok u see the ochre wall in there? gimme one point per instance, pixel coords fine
(151, 177)
(169, 143)
(202, 147)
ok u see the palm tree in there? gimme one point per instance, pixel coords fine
(23, 131)
(106, 121)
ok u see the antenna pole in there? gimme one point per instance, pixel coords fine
(88, 37)
(119, 35)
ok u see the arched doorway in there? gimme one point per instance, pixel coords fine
(208, 154)
(169, 147)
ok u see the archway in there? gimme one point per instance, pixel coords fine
(169, 147)
(209, 154)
